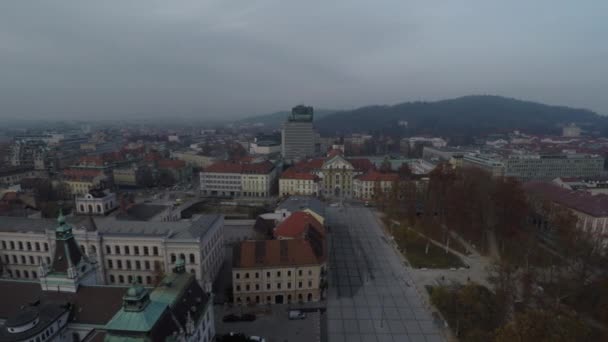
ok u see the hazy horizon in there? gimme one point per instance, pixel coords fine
(227, 60)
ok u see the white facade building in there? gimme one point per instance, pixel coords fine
(96, 203)
(125, 251)
(239, 179)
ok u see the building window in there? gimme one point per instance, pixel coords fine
(126, 248)
(130, 279)
(34, 275)
(182, 256)
(238, 275)
(147, 264)
(108, 250)
(110, 264)
(192, 258)
(3, 244)
(309, 283)
(299, 284)
(300, 273)
(289, 285)
(26, 274)
(145, 250)
(136, 250)
(139, 280)
(278, 273)
(278, 285)
(32, 260)
(46, 247)
(172, 258)
(116, 249)
(238, 287)
(18, 273)
(257, 287)
(148, 280)
(247, 287)
(29, 246)
(246, 275)
(289, 273)
(20, 245)
(112, 279)
(12, 243)
(121, 279)
(128, 263)
(268, 286)
(119, 264)
(23, 259)
(257, 275)
(137, 265)
(155, 250)
(267, 274)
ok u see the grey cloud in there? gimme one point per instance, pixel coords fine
(230, 58)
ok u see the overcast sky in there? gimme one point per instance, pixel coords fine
(225, 58)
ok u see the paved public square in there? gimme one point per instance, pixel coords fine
(371, 294)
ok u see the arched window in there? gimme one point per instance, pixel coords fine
(192, 258)
(121, 279)
(99, 208)
(90, 208)
(82, 208)
(172, 258)
(182, 256)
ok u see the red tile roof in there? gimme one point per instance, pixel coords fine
(310, 165)
(594, 205)
(171, 164)
(334, 152)
(81, 174)
(273, 253)
(258, 168)
(224, 167)
(293, 173)
(297, 225)
(375, 176)
(362, 164)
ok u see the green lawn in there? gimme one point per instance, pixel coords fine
(414, 247)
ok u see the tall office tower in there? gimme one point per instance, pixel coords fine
(298, 136)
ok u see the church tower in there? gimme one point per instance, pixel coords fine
(70, 267)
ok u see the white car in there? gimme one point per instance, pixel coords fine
(257, 339)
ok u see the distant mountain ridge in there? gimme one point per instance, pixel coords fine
(464, 116)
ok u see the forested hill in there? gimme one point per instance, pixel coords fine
(463, 116)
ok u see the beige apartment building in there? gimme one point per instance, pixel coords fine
(277, 272)
(124, 252)
(289, 269)
(366, 186)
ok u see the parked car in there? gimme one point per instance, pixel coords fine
(248, 317)
(231, 318)
(296, 314)
(237, 318)
(257, 339)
